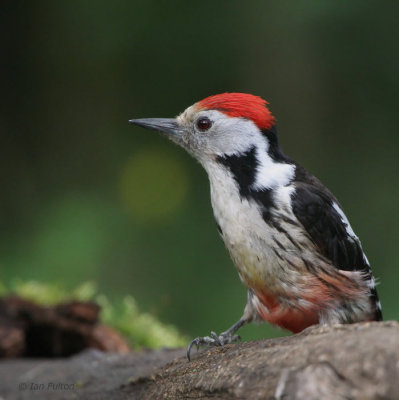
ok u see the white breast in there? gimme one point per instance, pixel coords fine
(249, 239)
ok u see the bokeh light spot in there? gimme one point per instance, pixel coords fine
(153, 184)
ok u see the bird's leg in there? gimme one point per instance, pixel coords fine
(215, 340)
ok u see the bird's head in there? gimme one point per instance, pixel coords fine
(220, 125)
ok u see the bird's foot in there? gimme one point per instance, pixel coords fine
(213, 340)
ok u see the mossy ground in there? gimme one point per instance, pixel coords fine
(139, 328)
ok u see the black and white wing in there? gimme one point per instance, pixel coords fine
(329, 229)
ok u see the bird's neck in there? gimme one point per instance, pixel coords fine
(251, 171)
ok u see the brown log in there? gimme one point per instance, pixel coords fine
(31, 330)
(359, 361)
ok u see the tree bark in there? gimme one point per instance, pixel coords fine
(359, 361)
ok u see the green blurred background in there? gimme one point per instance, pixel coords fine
(85, 196)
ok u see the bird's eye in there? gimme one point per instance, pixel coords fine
(203, 124)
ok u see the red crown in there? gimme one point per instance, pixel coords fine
(241, 105)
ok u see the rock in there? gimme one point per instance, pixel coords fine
(90, 375)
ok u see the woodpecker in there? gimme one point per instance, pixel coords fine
(287, 234)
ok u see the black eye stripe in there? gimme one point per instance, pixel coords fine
(203, 124)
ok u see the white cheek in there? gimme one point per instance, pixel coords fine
(232, 135)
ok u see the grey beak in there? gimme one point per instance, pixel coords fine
(166, 125)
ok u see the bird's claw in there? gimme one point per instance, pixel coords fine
(213, 340)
